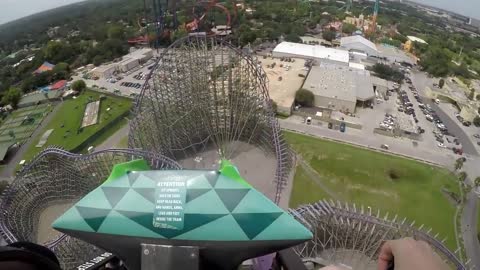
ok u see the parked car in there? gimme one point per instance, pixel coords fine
(476, 136)
(384, 146)
(457, 151)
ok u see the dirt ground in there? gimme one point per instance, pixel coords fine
(45, 231)
(256, 167)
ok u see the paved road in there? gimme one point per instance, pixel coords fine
(9, 170)
(373, 141)
(114, 140)
(469, 215)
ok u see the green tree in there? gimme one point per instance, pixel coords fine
(97, 60)
(61, 71)
(292, 37)
(441, 83)
(12, 96)
(348, 28)
(179, 33)
(115, 32)
(477, 182)
(79, 85)
(478, 97)
(462, 176)
(388, 73)
(247, 37)
(329, 35)
(472, 94)
(11, 133)
(459, 163)
(476, 121)
(58, 51)
(304, 97)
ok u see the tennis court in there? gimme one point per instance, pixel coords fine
(21, 123)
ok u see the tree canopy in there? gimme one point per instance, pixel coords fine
(388, 73)
(12, 96)
(476, 121)
(348, 28)
(79, 85)
(329, 35)
(304, 97)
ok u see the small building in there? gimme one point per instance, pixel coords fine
(315, 52)
(338, 87)
(46, 66)
(222, 30)
(105, 71)
(356, 65)
(128, 64)
(416, 39)
(142, 55)
(358, 43)
(58, 86)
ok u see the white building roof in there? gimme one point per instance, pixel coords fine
(312, 51)
(104, 68)
(345, 41)
(127, 61)
(356, 65)
(139, 54)
(416, 39)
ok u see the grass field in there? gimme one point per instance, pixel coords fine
(67, 121)
(391, 184)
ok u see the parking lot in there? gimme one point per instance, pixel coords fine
(406, 109)
(462, 133)
(128, 83)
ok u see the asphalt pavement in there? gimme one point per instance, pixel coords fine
(373, 141)
(454, 128)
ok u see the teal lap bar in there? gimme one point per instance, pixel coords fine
(215, 210)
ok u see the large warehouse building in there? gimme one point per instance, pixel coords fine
(339, 88)
(142, 55)
(104, 71)
(129, 62)
(358, 44)
(316, 52)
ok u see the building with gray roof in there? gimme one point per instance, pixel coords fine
(338, 87)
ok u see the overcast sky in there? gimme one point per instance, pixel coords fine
(14, 9)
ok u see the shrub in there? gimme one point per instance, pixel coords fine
(476, 121)
(441, 83)
(304, 97)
